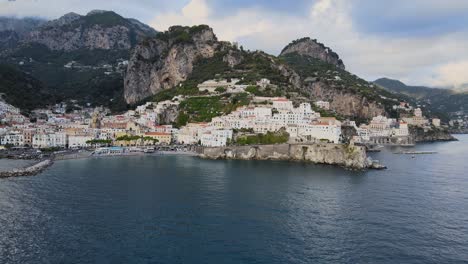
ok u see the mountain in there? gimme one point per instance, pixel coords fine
(75, 57)
(12, 29)
(22, 90)
(96, 30)
(20, 25)
(312, 48)
(438, 100)
(175, 61)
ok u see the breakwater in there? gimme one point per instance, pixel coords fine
(28, 171)
(349, 156)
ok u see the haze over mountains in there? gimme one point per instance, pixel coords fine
(85, 57)
(441, 100)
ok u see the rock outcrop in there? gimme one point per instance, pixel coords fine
(166, 60)
(312, 48)
(348, 156)
(420, 134)
(97, 30)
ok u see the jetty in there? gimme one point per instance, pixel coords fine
(416, 152)
(28, 171)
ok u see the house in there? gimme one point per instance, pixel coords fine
(263, 83)
(49, 140)
(282, 104)
(14, 138)
(216, 138)
(323, 104)
(161, 137)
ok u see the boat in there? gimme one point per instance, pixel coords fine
(149, 150)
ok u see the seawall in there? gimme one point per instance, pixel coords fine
(28, 171)
(348, 156)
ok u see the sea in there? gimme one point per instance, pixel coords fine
(182, 209)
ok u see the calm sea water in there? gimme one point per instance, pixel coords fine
(175, 209)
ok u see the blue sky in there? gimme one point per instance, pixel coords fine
(417, 41)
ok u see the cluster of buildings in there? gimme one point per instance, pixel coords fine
(301, 123)
(56, 128)
(383, 130)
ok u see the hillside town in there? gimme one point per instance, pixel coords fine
(57, 128)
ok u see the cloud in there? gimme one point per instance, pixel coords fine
(411, 59)
(419, 41)
(51, 9)
(454, 73)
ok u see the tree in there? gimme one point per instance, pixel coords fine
(220, 89)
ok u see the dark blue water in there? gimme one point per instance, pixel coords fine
(175, 209)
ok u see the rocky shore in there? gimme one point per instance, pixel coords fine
(348, 156)
(28, 171)
(420, 134)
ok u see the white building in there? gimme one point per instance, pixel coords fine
(211, 85)
(79, 141)
(321, 131)
(263, 83)
(216, 138)
(436, 122)
(14, 138)
(323, 104)
(282, 104)
(49, 140)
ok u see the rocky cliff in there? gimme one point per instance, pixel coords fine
(312, 48)
(97, 30)
(166, 60)
(334, 154)
(433, 134)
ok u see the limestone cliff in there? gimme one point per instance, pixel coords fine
(166, 60)
(97, 30)
(333, 154)
(304, 67)
(312, 48)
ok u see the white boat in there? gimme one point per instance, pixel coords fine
(149, 150)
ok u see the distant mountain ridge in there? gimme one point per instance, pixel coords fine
(79, 57)
(441, 100)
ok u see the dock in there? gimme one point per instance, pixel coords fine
(416, 152)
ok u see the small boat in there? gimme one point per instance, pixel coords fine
(149, 150)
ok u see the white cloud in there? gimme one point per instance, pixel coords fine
(454, 73)
(371, 56)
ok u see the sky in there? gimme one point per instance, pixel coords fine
(421, 42)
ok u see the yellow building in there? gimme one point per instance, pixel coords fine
(163, 138)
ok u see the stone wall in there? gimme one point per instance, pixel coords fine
(323, 153)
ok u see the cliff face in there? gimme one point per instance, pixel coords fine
(97, 30)
(314, 49)
(343, 155)
(420, 134)
(344, 102)
(165, 61)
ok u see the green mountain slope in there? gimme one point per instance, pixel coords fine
(22, 90)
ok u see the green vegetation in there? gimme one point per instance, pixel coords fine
(128, 138)
(180, 34)
(105, 142)
(40, 53)
(268, 138)
(220, 89)
(22, 90)
(203, 109)
(340, 79)
(104, 19)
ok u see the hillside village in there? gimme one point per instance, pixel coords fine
(260, 120)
